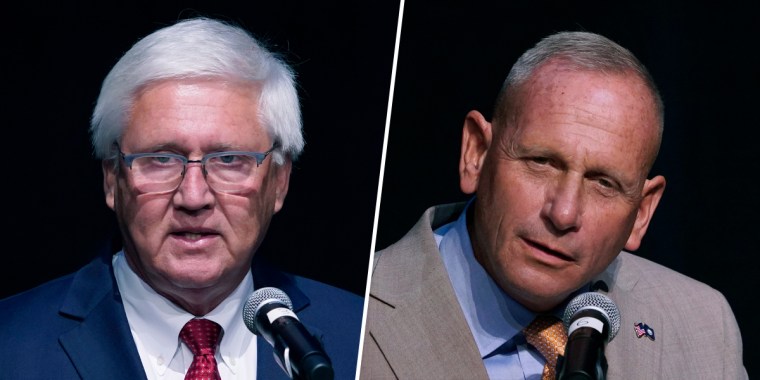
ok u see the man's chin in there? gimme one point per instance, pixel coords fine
(196, 282)
(200, 278)
(541, 292)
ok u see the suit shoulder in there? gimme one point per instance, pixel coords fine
(42, 300)
(684, 311)
(667, 285)
(328, 294)
(31, 321)
(657, 274)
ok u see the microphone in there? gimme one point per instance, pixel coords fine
(592, 320)
(269, 313)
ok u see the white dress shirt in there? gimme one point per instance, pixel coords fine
(155, 323)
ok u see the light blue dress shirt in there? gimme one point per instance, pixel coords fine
(495, 319)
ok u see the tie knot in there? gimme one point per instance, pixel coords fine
(547, 334)
(201, 336)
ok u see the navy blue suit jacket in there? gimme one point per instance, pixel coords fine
(75, 327)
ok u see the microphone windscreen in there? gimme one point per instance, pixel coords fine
(259, 298)
(596, 301)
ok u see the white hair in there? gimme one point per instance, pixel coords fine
(200, 48)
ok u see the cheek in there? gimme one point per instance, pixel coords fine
(241, 217)
(516, 198)
(125, 204)
(615, 225)
(507, 204)
(141, 215)
(247, 218)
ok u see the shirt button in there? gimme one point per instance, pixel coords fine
(160, 360)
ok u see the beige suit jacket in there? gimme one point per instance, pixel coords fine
(415, 328)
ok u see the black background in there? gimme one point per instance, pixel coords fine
(705, 61)
(54, 58)
(452, 60)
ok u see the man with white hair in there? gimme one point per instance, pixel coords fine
(197, 126)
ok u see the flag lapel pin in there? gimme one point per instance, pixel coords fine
(642, 329)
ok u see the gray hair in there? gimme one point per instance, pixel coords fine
(200, 48)
(579, 51)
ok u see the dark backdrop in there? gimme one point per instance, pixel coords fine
(705, 60)
(54, 58)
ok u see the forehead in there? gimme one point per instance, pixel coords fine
(619, 102)
(608, 114)
(195, 114)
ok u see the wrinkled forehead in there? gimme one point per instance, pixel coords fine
(213, 112)
(619, 102)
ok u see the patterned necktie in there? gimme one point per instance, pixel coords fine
(547, 334)
(202, 337)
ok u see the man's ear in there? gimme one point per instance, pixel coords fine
(109, 181)
(476, 138)
(651, 195)
(282, 182)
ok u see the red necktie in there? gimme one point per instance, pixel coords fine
(202, 337)
(548, 336)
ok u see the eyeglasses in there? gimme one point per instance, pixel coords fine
(227, 172)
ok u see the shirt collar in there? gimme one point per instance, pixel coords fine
(157, 322)
(493, 316)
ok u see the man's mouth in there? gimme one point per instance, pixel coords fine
(549, 251)
(193, 235)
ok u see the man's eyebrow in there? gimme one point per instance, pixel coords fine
(173, 146)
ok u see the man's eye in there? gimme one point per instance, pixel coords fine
(156, 160)
(539, 160)
(605, 182)
(228, 159)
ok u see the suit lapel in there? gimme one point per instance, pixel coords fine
(101, 346)
(426, 303)
(630, 356)
(440, 335)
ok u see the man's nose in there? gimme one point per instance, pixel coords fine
(194, 192)
(564, 204)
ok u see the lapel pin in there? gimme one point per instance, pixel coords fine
(641, 329)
